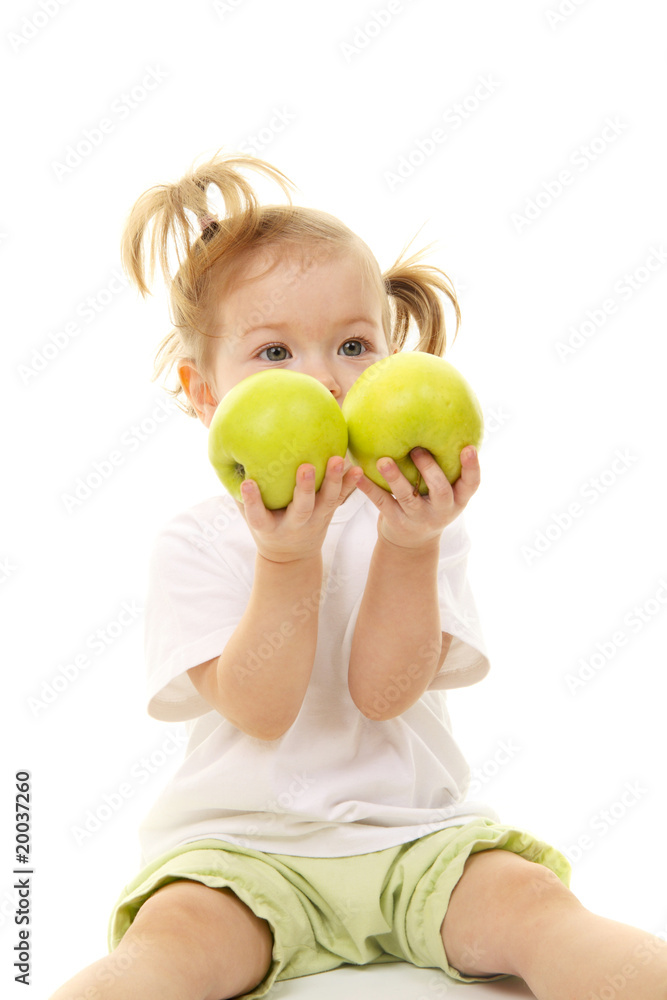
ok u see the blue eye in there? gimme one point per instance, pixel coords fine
(353, 348)
(273, 353)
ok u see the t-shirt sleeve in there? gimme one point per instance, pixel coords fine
(195, 599)
(466, 661)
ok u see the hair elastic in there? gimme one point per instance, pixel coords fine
(205, 221)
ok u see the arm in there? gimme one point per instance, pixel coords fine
(398, 646)
(260, 679)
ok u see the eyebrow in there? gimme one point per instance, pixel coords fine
(283, 326)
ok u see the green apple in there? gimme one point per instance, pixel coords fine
(268, 425)
(407, 401)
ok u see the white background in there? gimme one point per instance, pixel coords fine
(354, 100)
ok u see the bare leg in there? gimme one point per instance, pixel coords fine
(187, 942)
(509, 915)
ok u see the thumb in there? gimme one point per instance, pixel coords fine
(350, 482)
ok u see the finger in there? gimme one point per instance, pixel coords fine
(439, 488)
(252, 506)
(330, 487)
(401, 487)
(331, 494)
(379, 496)
(303, 499)
(351, 481)
(467, 483)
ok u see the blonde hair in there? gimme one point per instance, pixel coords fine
(211, 253)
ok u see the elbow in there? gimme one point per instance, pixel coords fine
(271, 735)
(268, 737)
(265, 735)
(381, 695)
(377, 708)
(268, 730)
(389, 702)
(381, 716)
(384, 715)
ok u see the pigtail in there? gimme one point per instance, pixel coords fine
(165, 206)
(186, 239)
(415, 290)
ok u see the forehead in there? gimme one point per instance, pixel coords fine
(308, 280)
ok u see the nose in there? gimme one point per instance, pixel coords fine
(326, 377)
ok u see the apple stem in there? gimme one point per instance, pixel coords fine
(415, 492)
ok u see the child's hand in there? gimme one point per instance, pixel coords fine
(298, 531)
(411, 521)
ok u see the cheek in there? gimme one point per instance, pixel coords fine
(348, 378)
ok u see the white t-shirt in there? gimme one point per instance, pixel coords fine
(336, 783)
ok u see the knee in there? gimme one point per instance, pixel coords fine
(202, 923)
(527, 887)
(535, 885)
(182, 910)
(500, 900)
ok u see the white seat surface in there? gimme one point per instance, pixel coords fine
(395, 981)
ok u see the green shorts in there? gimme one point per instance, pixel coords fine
(364, 909)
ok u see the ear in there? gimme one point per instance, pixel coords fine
(198, 392)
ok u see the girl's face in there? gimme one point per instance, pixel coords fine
(322, 319)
